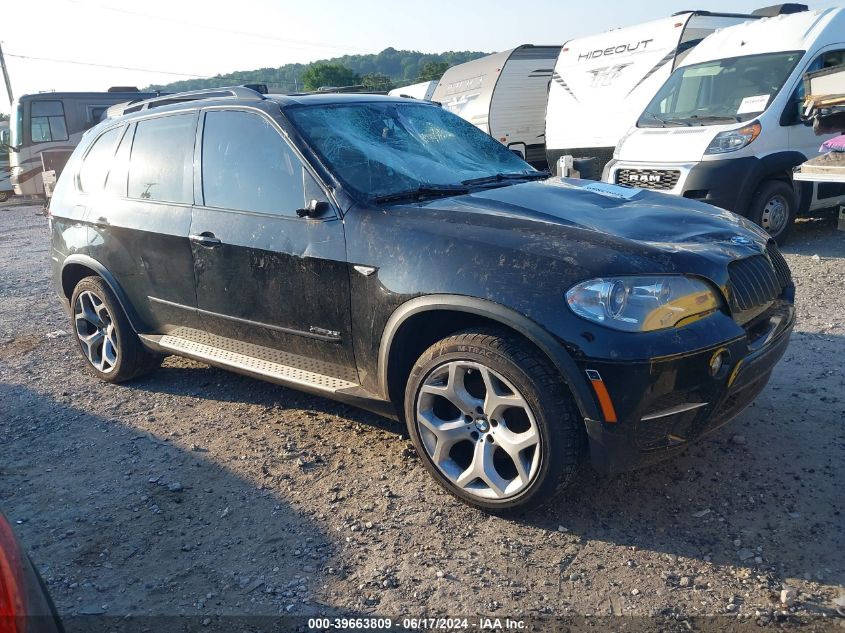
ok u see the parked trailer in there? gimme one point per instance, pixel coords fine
(423, 90)
(601, 83)
(504, 94)
(47, 126)
(726, 126)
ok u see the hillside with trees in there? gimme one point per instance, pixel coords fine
(381, 71)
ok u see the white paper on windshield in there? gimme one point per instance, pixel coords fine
(756, 103)
(612, 191)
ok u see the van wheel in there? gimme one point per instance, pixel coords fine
(107, 341)
(493, 421)
(5, 195)
(773, 207)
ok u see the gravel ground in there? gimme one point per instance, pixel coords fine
(196, 491)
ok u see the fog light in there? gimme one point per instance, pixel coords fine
(717, 361)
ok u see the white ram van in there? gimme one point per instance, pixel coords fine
(725, 127)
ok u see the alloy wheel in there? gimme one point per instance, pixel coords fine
(478, 430)
(775, 215)
(95, 331)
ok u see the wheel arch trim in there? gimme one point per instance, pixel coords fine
(89, 262)
(521, 324)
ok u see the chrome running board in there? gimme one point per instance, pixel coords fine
(255, 360)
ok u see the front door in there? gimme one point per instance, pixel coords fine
(264, 275)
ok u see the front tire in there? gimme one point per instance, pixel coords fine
(112, 350)
(493, 421)
(774, 207)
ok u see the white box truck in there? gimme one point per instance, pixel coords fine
(726, 129)
(505, 95)
(601, 83)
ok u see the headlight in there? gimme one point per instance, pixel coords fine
(732, 140)
(642, 304)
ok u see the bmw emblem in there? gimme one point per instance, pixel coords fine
(742, 241)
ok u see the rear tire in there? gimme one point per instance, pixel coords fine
(5, 195)
(109, 345)
(774, 207)
(493, 421)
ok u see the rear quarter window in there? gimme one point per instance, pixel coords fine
(161, 161)
(98, 160)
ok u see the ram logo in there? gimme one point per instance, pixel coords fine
(645, 177)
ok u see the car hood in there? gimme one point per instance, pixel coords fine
(607, 212)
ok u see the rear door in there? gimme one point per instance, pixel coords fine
(139, 225)
(264, 275)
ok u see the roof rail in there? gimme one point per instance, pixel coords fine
(253, 91)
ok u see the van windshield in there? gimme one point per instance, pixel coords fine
(382, 148)
(720, 91)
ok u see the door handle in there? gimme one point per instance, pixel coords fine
(206, 238)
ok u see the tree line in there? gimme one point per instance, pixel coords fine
(382, 71)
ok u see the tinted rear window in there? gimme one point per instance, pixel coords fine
(161, 163)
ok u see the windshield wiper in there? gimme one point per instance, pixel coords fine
(715, 117)
(665, 122)
(503, 177)
(423, 191)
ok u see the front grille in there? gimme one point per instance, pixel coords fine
(781, 267)
(758, 280)
(660, 179)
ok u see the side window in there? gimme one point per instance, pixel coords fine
(792, 111)
(832, 58)
(161, 162)
(48, 121)
(247, 165)
(95, 114)
(95, 166)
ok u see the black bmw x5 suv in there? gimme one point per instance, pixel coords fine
(386, 253)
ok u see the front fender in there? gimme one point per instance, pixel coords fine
(540, 337)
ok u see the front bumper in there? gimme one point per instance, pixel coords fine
(665, 403)
(728, 183)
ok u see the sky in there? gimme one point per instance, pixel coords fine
(169, 40)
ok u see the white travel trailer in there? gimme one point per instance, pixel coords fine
(725, 128)
(504, 94)
(601, 83)
(423, 90)
(47, 126)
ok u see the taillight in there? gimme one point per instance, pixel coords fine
(12, 606)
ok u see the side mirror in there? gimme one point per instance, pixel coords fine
(314, 209)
